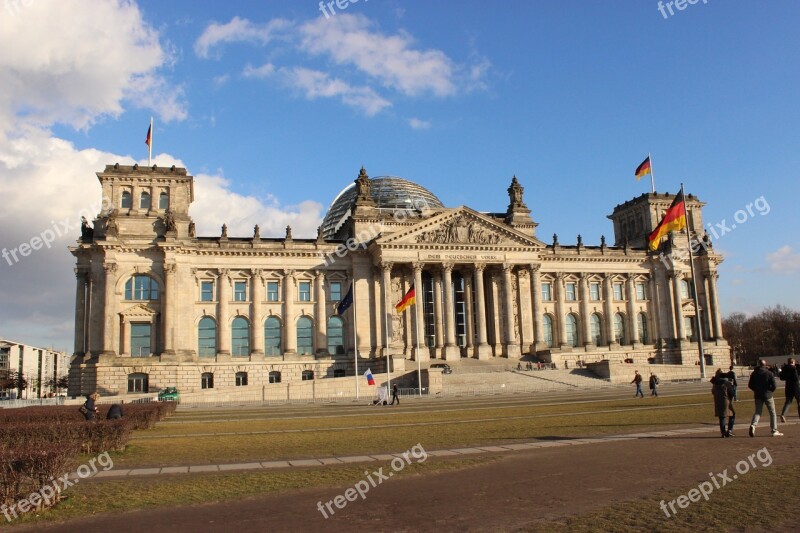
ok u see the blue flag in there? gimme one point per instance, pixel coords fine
(346, 302)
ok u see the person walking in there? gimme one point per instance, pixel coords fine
(762, 383)
(637, 379)
(395, 395)
(654, 385)
(731, 375)
(723, 402)
(790, 375)
(89, 407)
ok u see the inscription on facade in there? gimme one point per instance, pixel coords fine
(461, 257)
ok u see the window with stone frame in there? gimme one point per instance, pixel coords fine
(547, 293)
(335, 291)
(206, 291)
(641, 290)
(239, 291)
(207, 380)
(273, 291)
(619, 291)
(571, 292)
(304, 291)
(241, 379)
(274, 377)
(138, 382)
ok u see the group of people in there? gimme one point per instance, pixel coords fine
(763, 383)
(89, 409)
(653, 382)
(538, 365)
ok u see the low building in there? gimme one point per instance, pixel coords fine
(158, 305)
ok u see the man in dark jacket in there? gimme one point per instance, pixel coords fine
(762, 383)
(790, 375)
(114, 412)
(731, 375)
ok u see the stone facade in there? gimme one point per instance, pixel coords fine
(158, 306)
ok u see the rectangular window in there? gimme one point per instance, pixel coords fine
(641, 291)
(618, 292)
(304, 291)
(207, 291)
(140, 340)
(336, 291)
(546, 294)
(273, 289)
(571, 292)
(239, 291)
(594, 290)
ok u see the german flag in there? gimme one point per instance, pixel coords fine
(407, 301)
(674, 220)
(643, 169)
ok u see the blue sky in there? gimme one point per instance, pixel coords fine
(274, 108)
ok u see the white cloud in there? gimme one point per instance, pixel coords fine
(784, 260)
(237, 30)
(419, 124)
(316, 84)
(390, 59)
(263, 71)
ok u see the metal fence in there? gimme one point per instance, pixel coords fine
(15, 404)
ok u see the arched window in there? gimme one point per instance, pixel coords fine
(138, 382)
(547, 334)
(240, 337)
(572, 330)
(141, 287)
(305, 336)
(307, 375)
(127, 200)
(338, 372)
(144, 200)
(274, 377)
(619, 328)
(644, 337)
(207, 337)
(207, 380)
(597, 329)
(272, 336)
(241, 379)
(163, 201)
(335, 335)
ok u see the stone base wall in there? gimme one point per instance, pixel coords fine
(617, 372)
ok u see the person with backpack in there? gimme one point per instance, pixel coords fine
(89, 407)
(637, 379)
(654, 381)
(762, 383)
(723, 402)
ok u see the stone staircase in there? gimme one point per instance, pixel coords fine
(511, 381)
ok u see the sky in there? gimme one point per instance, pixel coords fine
(274, 106)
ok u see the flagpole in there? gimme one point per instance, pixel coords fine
(355, 337)
(419, 367)
(652, 175)
(699, 331)
(150, 144)
(386, 335)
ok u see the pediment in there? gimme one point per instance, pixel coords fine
(139, 311)
(459, 227)
(688, 307)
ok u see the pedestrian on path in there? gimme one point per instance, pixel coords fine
(395, 396)
(654, 385)
(789, 374)
(637, 379)
(723, 402)
(762, 383)
(731, 375)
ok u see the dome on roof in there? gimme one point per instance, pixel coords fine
(388, 192)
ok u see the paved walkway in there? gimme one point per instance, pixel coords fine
(505, 448)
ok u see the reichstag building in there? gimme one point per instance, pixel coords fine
(157, 305)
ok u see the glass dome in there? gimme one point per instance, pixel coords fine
(388, 192)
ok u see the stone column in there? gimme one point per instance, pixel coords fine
(483, 350)
(223, 322)
(510, 347)
(608, 310)
(666, 307)
(714, 305)
(678, 308)
(536, 292)
(386, 289)
(110, 308)
(560, 318)
(655, 316)
(321, 320)
(451, 351)
(437, 311)
(634, 322)
(586, 323)
(168, 304)
(468, 310)
(80, 312)
(126, 337)
(421, 351)
(289, 324)
(257, 294)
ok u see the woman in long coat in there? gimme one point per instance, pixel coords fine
(723, 403)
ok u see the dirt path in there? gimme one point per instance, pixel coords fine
(514, 491)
